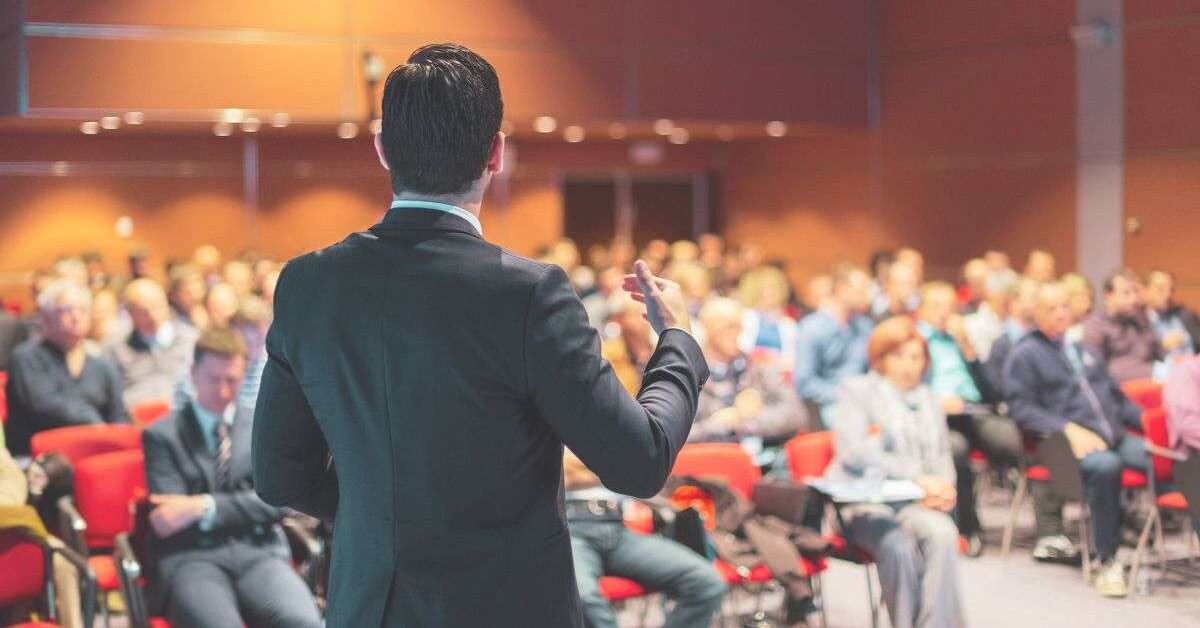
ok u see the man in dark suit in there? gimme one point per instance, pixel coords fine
(220, 547)
(425, 397)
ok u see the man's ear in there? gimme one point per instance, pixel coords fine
(379, 152)
(495, 163)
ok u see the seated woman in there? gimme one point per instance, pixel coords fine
(888, 423)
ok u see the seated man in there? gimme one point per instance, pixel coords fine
(1120, 334)
(53, 381)
(156, 354)
(831, 343)
(601, 545)
(987, 323)
(1056, 386)
(958, 381)
(1018, 323)
(1177, 327)
(899, 293)
(222, 551)
(743, 398)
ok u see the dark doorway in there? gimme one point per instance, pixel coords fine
(670, 207)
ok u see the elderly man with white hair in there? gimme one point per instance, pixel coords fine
(156, 355)
(52, 381)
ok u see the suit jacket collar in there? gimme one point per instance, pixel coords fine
(409, 219)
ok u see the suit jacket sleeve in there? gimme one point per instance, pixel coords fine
(290, 455)
(630, 444)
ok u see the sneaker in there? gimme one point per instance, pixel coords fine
(1110, 579)
(971, 545)
(1055, 549)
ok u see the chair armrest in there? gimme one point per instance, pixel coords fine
(129, 576)
(71, 525)
(1163, 452)
(89, 588)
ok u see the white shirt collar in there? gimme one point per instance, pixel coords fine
(442, 207)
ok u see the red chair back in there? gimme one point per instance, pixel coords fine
(3, 397)
(105, 486)
(22, 568)
(82, 441)
(724, 461)
(1154, 425)
(808, 455)
(148, 412)
(1147, 393)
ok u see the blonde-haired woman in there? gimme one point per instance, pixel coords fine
(767, 330)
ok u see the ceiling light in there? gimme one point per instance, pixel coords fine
(617, 131)
(775, 128)
(679, 136)
(544, 124)
(222, 129)
(347, 130)
(232, 116)
(376, 126)
(134, 117)
(663, 126)
(91, 127)
(281, 119)
(124, 227)
(574, 133)
(60, 168)
(110, 123)
(251, 124)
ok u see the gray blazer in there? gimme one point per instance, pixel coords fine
(915, 441)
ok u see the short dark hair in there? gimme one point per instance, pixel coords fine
(222, 343)
(441, 112)
(1110, 280)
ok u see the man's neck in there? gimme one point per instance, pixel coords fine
(470, 202)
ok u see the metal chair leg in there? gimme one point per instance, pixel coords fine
(1143, 539)
(872, 599)
(1014, 511)
(1085, 542)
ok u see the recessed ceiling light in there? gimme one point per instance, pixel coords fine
(232, 116)
(91, 127)
(544, 124)
(664, 126)
(725, 133)
(110, 123)
(376, 126)
(134, 117)
(618, 130)
(281, 119)
(574, 133)
(251, 125)
(347, 130)
(775, 128)
(679, 136)
(222, 129)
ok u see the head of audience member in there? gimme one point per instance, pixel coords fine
(881, 261)
(251, 322)
(684, 252)
(914, 259)
(221, 304)
(441, 133)
(693, 279)
(752, 256)
(1024, 302)
(139, 264)
(764, 289)
(105, 310)
(621, 253)
(722, 321)
(565, 254)
(1051, 313)
(1122, 293)
(94, 262)
(997, 260)
(1040, 266)
(186, 288)
(898, 352)
(975, 274)
(38, 282)
(629, 317)
(1160, 290)
(938, 304)
(999, 291)
(609, 281)
(268, 286)
(240, 276)
(818, 291)
(262, 267)
(712, 249)
(147, 305)
(72, 269)
(597, 256)
(207, 260)
(218, 368)
(65, 309)
(1079, 295)
(850, 291)
(901, 286)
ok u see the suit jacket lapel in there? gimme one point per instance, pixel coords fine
(197, 448)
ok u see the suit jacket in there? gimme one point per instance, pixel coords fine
(179, 462)
(420, 386)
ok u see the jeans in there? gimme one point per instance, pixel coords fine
(1101, 472)
(916, 553)
(659, 564)
(998, 438)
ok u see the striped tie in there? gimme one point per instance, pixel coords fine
(224, 452)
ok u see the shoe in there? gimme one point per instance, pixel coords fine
(971, 545)
(1055, 549)
(1110, 579)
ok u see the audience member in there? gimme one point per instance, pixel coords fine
(220, 305)
(743, 397)
(1121, 335)
(1080, 300)
(767, 331)
(222, 551)
(251, 322)
(602, 545)
(817, 292)
(1019, 322)
(970, 294)
(1181, 398)
(899, 296)
(997, 260)
(914, 260)
(986, 324)
(207, 259)
(12, 333)
(890, 419)
(960, 384)
(186, 294)
(139, 264)
(1040, 266)
(881, 260)
(1054, 386)
(106, 322)
(270, 280)
(240, 276)
(597, 304)
(627, 342)
(831, 342)
(1177, 327)
(156, 354)
(53, 381)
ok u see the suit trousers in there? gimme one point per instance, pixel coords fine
(235, 584)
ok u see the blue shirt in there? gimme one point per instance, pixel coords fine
(442, 207)
(828, 352)
(208, 429)
(948, 372)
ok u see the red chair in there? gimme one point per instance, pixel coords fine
(105, 486)
(3, 397)
(619, 590)
(1147, 393)
(1163, 461)
(26, 574)
(147, 412)
(78, 442)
